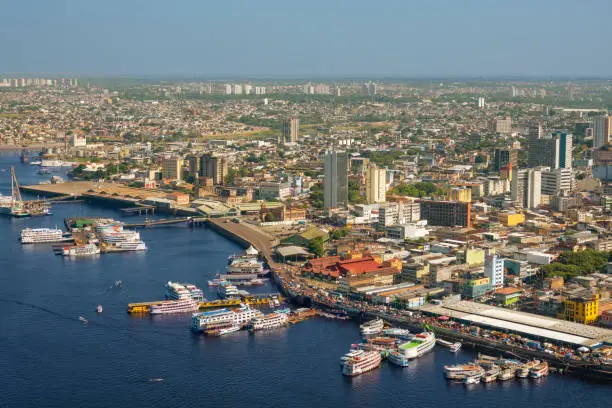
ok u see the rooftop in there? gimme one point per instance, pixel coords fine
(524, 323)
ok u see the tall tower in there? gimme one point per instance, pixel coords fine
(376, 184)
(335, 193)
(601, 131)
(290, 130)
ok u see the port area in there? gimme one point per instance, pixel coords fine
(252, 300)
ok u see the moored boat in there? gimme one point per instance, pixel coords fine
(398, 358)
(461, 371)
(267, 322)
(419, 345)
(523, 370)
(539, 371)
(491, 374)
(372, 327)
(174, 306)
(362, 363)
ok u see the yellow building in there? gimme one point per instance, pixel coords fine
(512, 219)
(582, 309)
(474, 256)
(462, 194)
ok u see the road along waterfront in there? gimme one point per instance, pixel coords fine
(54, 360)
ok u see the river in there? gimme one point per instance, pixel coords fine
(49, 358)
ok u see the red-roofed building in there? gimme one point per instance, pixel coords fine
(334, 267)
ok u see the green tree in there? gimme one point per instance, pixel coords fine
(316, 246)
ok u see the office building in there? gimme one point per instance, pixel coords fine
(526, 187)
(503, 158)
(172, 168)
(494, 270)
(557, 181)
(554, 151)
(398, 213)
(446, 213)
(376, 184)
(498, 125)
(335, 192)
(290, 130)
(214, 167)
(601, 131)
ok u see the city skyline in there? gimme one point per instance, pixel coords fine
(398, 40)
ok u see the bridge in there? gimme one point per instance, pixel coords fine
(151, 223)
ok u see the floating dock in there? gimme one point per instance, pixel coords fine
(144, 307)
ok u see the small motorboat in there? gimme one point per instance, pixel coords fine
(99, 309)
(84, 320)
(156, 379)
(455, 347)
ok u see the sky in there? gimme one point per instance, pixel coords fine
(307, 38)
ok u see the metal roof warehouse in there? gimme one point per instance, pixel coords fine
(527, 324)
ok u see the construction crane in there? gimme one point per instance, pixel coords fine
(15, 190)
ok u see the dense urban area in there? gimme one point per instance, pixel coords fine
(481, 209)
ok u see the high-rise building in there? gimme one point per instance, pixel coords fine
(446, 213)
(398, 213)
(290, 130)
(376, 184)
(172, 168)
(554, 151)
(601, 130)
(494, 270)
(247, 89)
(214, 167)
(335, 192)
(504, 157)
(237, 89)
(557, 181)
(228, 89)
(481, 103)
(526, 187)
(566, 146)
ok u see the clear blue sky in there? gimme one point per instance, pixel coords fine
(227, 38)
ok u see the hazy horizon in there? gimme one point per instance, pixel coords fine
(342, 39)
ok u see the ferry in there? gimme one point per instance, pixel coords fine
(176, 291)
(271, 321)
(461, 371)
(362, 363)
(397, 333)
(228, 291)
(419, 345)
(131, 246)
(523, 370)
(222, 318)
(245, 266)
(372, 327)
(351, 354)
(41, 235)
(472, 379)
(174, 306)
(539, 371)
(491, 374)
(398, 358)
(81, 250)
(507, 374)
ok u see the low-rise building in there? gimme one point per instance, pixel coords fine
(507, 296)
(582, 309)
